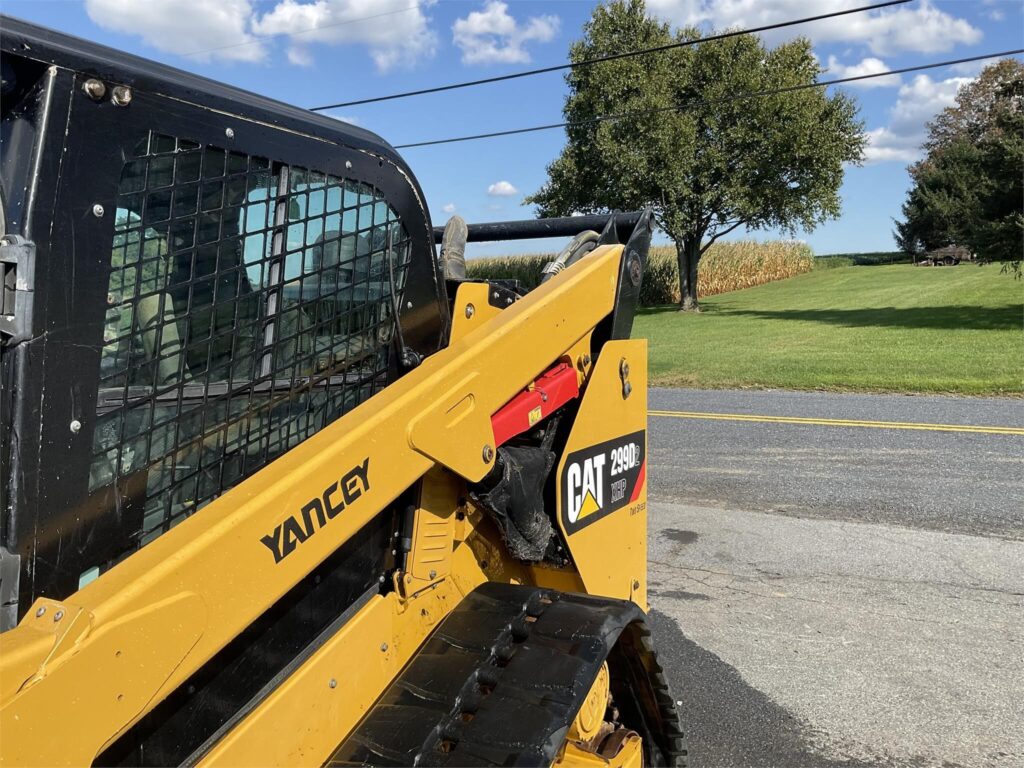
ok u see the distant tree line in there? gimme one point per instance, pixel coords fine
(969, 188)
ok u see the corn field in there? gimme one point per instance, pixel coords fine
(724, 267)
(525, 269)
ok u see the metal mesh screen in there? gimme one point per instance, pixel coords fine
(250, 304)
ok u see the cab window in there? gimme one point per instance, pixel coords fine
(250, 304)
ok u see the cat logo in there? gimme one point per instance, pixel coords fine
(586, 487)
(601, 479)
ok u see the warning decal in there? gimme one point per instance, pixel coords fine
(601, 479)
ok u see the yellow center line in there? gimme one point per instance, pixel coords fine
(839, 422)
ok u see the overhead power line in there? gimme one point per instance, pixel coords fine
(677, 108)
(609, 57)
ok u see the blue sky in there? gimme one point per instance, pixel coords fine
(311, 52)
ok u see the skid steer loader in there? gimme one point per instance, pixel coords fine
(281, 486)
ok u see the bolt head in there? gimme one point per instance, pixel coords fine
(40, 611)
(97, 210)
(333, 683)
(121, 95)
(487, 454)
(58, 615)
(94, 89)
(470, 311)
(383, 646)
(408, 305)
(75, 426)
(348, 165)
(229, 132)
(636, 270)
(624, 368)
(432, 574)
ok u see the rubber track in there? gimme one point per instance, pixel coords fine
(673, 740)
(501, 679)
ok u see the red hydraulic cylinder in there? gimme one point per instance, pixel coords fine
(554, 388)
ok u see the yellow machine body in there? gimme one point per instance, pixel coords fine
(77, 673)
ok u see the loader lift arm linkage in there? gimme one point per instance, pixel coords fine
(450, 571)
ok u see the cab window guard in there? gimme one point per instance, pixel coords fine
(250, 304)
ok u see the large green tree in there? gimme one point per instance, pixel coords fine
(690, 141)
(969, 187)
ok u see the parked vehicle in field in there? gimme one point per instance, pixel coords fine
(947, 256)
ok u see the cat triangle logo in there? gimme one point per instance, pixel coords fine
(589, 505)
(585, 486)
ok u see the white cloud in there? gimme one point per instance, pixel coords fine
(300, 56)
(918, 102)
(448, 208)
(502, 189)
(494, 36)
(885, 145)
(970, 69)
(921, 28)
(185, 26)
(996, 15)
(867, 66)
(395, 32)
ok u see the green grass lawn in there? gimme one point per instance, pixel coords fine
(893, 328)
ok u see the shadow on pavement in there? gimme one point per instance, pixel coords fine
(729, 724)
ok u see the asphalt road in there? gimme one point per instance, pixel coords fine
(962, 482)
(830, 595)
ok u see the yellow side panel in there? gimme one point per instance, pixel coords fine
(434, 529)
(602, 476)
(307, 716)
(110, 682)
(320, 704)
